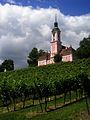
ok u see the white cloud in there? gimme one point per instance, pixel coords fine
(22, 28)
(44, 30)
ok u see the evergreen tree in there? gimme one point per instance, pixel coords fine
(57, 58)
(84, 50)
(1, 68)
(8, 65)
(33, 57)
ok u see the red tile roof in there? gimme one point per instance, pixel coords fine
(66, 51)
(45, 56)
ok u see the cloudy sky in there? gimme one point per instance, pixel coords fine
(25, 24)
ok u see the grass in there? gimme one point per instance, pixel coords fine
(75, 111)
(50, 104)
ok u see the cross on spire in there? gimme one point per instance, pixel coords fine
(56, 23)
(55, 17)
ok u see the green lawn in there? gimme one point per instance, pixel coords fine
(76, 111)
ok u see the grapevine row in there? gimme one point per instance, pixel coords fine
(42, 82)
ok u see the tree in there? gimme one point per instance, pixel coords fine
(1, 68)
(33, 57)
(41, 52)
(57, 58)
(84, 50)
(8, 65)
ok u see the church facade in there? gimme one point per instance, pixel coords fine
(67, 53)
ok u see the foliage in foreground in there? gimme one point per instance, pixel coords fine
(74, 111)
(42, 82)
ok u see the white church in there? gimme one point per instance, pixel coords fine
(67, 53)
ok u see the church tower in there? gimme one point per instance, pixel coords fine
(55, 42)
(67, 53)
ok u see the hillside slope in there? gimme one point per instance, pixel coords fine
(40, 83)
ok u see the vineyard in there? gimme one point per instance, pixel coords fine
(43, 83)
